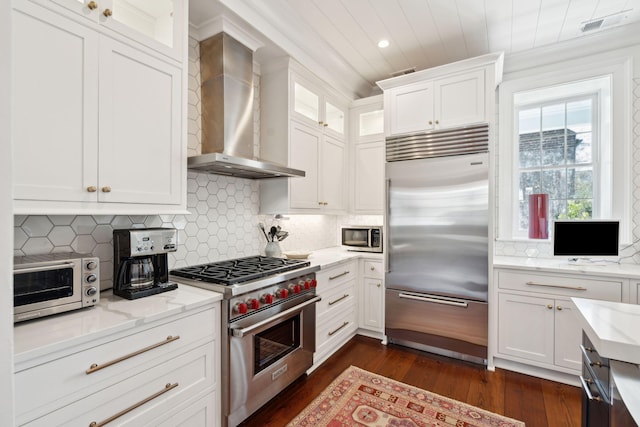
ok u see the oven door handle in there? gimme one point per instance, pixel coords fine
(240, 332)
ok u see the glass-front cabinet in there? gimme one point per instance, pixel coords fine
(155, 23)
(309, 104)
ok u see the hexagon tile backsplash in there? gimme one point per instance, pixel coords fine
(223, 224)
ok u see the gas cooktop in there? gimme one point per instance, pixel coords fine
(236, 271)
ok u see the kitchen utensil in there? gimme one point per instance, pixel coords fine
(272, 233)
(281, 235)
(261, 225)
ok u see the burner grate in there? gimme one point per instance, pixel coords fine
(239, 270)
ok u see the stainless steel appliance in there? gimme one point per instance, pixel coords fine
(267, 328)
(140, 265)
(437, 242)
(362, 238)
(54, 283)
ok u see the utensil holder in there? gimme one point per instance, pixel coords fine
(272, 249)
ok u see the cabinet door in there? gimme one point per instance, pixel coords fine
(332, 173)
(306, 102)
(568, 334)
(526, 327)
(55, 101)
(459, 100)
(305, 145)
(140, 127)
(410, 108)
(369, 177)
(334, 118)
(371, 304)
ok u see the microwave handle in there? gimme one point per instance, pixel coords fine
(42, 268)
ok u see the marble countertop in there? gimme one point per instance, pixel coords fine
(330, 257)
(35, 338)
(627, 378)
(560, 265)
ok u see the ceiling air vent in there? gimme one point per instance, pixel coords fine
(604, 22)
(403, 72)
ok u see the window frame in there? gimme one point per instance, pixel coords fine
(619, 67)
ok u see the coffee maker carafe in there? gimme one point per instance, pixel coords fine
(140, 264)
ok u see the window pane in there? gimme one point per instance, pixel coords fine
(529, 146)
(580, 183)
(582, 150)
(529, 184)
(554, 183)
(553, 147)
(529, 120)
(553, 117)
(579, 115)
(557, 209)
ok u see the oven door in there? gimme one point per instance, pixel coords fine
(267, 355)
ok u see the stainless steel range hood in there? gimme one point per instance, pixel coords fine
(226, 69)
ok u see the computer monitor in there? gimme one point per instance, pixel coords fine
(587, 240)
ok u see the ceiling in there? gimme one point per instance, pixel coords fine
(339, 37)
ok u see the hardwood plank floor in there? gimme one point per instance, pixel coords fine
(537, 402)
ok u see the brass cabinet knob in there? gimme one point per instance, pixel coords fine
(92, 189)
(550, 307)
(379, 284)
(106, 189)
(430, 122)
(373, 268)
(325, 125)
(92, 5)
(107, 13)
(559, 307)
(320, 122)
(437, 122)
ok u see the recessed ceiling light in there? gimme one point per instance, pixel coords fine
(383, 43)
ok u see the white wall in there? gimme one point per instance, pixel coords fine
(6, 221)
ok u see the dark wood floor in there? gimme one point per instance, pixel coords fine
(535, 401)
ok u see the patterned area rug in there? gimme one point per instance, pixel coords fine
(360, 398)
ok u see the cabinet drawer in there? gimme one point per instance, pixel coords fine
(122, 358)
(337, 297)
(335, 324)
(373, 269)
(336, 276)
(570, 286)
(148, 393)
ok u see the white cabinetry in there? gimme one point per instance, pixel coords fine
(336, 313)
(303, 130)
(367, 156)
(101, 130)
(371, 300)
(441, 97)
(165, 371)
(536, 323)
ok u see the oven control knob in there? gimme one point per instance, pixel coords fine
(314, 283)
(267, 299)
(296, 289)
(91, 265)
(91, 278)
(240, 308)
(253, 304)
(91, 291)
(307, 284)
(282, 293)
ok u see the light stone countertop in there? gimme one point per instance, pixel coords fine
(562, 265)
(627, 378)
(51, 334)
(331, 257)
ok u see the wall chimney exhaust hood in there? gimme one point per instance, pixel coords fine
(226, 69)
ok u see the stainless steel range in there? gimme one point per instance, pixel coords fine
(267, 327)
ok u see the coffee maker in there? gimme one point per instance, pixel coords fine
(140, 265)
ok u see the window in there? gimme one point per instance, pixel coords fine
(560, 139)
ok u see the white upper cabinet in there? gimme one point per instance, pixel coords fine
(157, 24)
(97, 122)
(443, 97)
(303, 130)
(367, 156)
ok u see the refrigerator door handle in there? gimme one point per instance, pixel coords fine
(434, 299)
(387, 269)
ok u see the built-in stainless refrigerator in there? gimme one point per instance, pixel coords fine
(437, 248)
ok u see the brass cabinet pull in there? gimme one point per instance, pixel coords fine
(95, 367)
(575, 288)
(549, 306)
(92, 5)
(379, 284)
(92, 189)
(339, 299)
(134, 406)
(559, 307)
(325, 125)
(340, 327)
(107, 13)
(339, 275)
(106, 189)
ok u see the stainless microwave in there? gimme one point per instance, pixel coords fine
(54, 283)
(362, 238)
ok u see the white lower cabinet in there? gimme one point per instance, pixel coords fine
(336, 313)
(371, 301)
(162, 373)
(536, 323)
